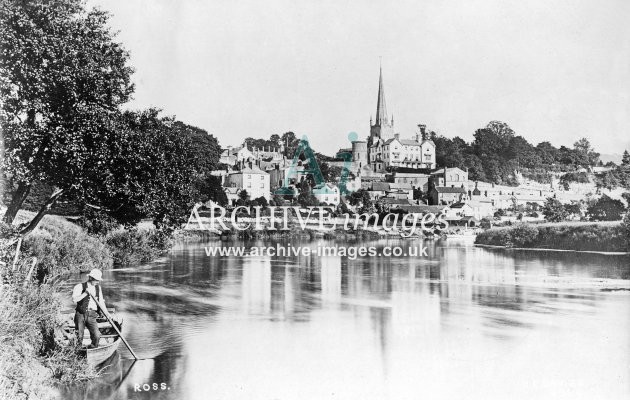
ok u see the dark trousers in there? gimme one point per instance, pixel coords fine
(87, 320)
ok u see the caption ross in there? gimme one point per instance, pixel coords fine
(150, 387)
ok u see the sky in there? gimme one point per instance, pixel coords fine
(553, 70)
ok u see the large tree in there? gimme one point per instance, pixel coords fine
(62, 79)
(606, 209)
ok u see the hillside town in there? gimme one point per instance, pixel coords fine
(401, 173)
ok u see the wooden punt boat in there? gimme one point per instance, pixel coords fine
(110, 340)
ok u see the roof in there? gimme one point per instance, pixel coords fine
(458, 205)
(250, 170)
(422, 209)
(444, 189)
(380, 186)
(441, 170)
(391, 200)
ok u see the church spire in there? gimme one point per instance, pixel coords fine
(381, 108)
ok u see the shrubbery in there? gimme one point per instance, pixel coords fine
(63, 247)
(585, 237)
(29, 318)
(130, 246)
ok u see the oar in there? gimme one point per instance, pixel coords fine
(114, 326)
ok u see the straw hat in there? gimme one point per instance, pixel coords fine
(96, 274)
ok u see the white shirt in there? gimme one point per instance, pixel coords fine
(77, 295)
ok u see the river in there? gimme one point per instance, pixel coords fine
(461, 323)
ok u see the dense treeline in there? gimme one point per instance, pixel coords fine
(66, 138)
(497, 152)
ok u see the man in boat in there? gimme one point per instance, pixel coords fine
(87, 310)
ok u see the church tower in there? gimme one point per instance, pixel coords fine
(382, 128)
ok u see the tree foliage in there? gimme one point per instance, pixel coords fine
(606, 209)
(63, 78)
(554, 211)
(496, 153)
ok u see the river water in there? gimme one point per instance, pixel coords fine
(462, 323)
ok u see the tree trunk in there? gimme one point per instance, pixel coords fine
(29, 226)
(18, 197)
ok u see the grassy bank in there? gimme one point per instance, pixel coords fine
(591, 237)
(31, 359)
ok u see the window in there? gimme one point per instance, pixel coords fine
(262, 185)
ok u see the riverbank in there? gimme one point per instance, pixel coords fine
(32, 361)
(609, 238)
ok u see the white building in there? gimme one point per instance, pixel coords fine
(328, 194)
(252, 179)
(414, 153)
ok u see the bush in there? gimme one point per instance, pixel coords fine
(523, 235)
(130, 246)
(61, 247)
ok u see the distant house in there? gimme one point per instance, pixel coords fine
(232, 194)
(234, 155)
(376, 190)
(482, 207)
(458, 210)
(252, 179)
(446, 195)
(450, 177)
(327, 193)
(416, 180)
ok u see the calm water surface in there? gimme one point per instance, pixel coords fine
(462, 323)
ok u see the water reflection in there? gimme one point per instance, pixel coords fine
(464, 322)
